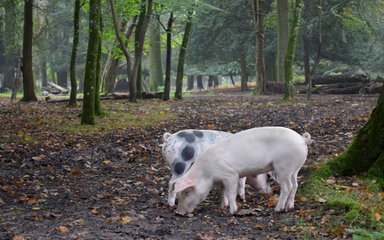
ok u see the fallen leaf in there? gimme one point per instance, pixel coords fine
(32, 201)
(126, 219)
(75, 172)
(330, 181)
(38, 158)
(18, 237)
(96, 211)
(6, 187)
(377, 216)
(321, 200)
(259, 227)
(204, 237)
(63, 229)
(247, 212)
(272, 201)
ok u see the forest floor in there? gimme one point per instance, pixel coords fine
(61, 180)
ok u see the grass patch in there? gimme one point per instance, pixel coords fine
(112, 121)
(359, 201)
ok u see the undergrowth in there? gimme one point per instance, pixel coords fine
(359, 200)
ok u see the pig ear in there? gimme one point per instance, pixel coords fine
(166, 136)
(182, 184)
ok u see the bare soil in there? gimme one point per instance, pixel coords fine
(113, 184)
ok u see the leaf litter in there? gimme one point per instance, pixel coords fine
(112, 183)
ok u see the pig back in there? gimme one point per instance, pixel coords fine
(256, 151)
(182, 148)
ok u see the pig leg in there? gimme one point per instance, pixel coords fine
(285, 190)
(291, 198)
(171, 195)
(230, 189)
(224, 199)
(241, 188)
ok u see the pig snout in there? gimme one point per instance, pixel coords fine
(260, 183)
(181, 211)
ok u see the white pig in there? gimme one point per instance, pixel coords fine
(181, 149)
(247, 153)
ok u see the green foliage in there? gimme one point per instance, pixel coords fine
(362, 205)
(363, 234)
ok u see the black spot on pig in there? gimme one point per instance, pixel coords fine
(187, 153)
(179, 168)
(198, 134)
(181, 134)
(189, 137)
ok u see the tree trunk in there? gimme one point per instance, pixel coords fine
(28, 81)
(72, 68)
(11, 53)
(43, 66)
(199, 80)
(307, 69)
(62, 76)
(182, 53)
(167, 82)
(110, 73)
(139, 48)
(210, 81)
(289, 89)
(215, 82)
(270, 68)
(88, 114)
(2, 50)
(98, 107)
(156, 77)
(123, 48)
(282, 37)
(366, 153)
(191, 82)
(243, 68)
(260, 64)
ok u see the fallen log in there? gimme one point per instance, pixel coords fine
(371, 88)
(54, 89)
(343, 78)
(346, 89)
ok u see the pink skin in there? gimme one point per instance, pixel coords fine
(248, 153)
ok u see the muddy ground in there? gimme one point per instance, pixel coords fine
(113, 184)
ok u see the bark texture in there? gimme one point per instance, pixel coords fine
(282, 37)
(88, 114)
(289, 89)
(366, 153)
(27, 68)
(72, 68)
(156, 77)
(182, 53)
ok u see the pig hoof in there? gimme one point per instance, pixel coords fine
(279, 209)
(179, 213)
